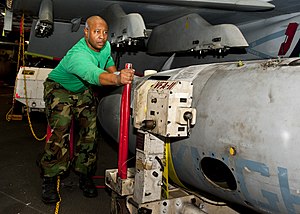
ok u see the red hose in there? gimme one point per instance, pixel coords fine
(48, 133)
(99, 177)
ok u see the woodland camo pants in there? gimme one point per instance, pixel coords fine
(61, 106)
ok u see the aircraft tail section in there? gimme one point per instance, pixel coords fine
(273, 37)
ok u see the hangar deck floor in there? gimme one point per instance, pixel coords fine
(20, 182)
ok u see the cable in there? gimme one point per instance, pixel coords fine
(21, 55)
(128, 161)
(25, 86)
(10, 111)
(21, 46)
(27, 111)
(57, 203)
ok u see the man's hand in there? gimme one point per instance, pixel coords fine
(125, 76)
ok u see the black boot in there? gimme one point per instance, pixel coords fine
(49, 190)
(86, 184)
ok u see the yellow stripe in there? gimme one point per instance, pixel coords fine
(38, 55)
(165, 179)
(172, 173)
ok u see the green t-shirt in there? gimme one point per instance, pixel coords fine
(82, 66)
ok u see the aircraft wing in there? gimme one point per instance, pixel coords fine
(242, 5)
(160, 11)
(247, 15)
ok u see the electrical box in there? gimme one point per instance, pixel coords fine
(164, 107)
(29, 85)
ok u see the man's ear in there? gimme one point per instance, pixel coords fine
(86, 32)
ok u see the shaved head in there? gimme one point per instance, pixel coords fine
(93, 19)
(95, 32)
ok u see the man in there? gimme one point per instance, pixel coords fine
(67, 95)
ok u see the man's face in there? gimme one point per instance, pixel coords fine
(96, 35)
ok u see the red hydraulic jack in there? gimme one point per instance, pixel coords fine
(124, 127)
(121, 180)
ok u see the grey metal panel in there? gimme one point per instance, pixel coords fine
(58, 43)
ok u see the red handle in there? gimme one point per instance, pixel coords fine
(124, 129)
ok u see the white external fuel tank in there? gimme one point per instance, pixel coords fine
(245, 145)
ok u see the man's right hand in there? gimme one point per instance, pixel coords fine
(125, 77)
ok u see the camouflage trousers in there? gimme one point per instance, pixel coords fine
(61, 106)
